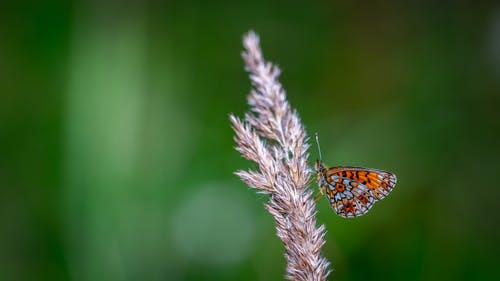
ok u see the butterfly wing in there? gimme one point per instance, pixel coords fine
(352, 191)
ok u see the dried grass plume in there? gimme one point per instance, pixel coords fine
(273, 137)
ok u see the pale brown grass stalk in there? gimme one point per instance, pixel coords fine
(273, 137)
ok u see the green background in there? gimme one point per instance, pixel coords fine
(116, 153)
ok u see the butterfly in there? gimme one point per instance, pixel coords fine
(352, 191)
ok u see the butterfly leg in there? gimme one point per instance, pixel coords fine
(319, 195)
(311, 180)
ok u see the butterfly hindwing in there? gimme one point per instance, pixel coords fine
(348, 197)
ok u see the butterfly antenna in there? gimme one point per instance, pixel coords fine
(319, 148)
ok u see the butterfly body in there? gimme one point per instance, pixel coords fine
(352, 191)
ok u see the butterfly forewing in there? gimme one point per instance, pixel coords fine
(352, 191)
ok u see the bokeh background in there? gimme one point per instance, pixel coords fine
(116, 154)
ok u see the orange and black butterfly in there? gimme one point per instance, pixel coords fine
(352, 191)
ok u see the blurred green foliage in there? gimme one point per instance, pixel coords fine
(116, 155)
